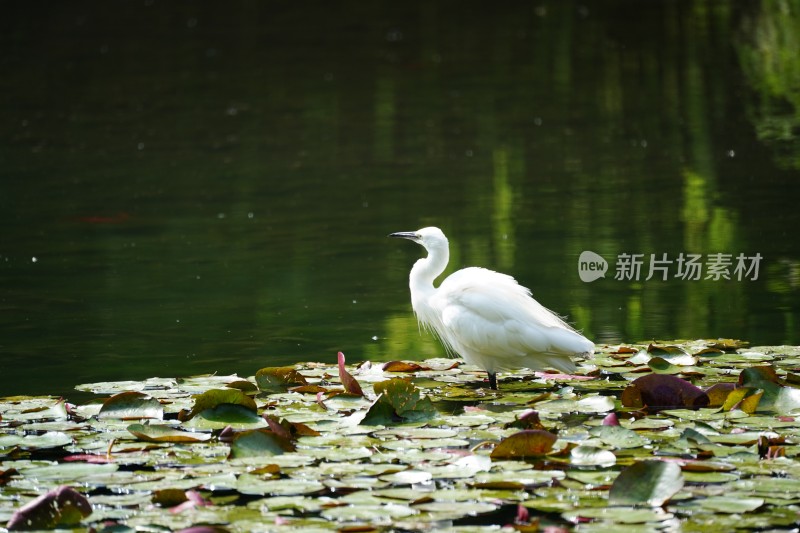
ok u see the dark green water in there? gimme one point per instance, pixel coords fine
(192, 187)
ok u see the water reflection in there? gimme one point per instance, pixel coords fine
(261, 154)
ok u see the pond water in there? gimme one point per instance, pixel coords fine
(189, 189)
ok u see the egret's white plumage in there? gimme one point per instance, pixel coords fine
(487, 317)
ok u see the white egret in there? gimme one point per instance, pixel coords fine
(487, 317)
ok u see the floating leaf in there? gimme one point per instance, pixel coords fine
(718, 392)
(279, 379)
(349, 383)
(163, 433)
(674, 355)
(646, 483)
(132, 405)
(618, 436)
(660, 365)
(528, 443)
(402, 366)
(662, 391)
(592, 456)
(595, 404)
(776, 397)
(217, 397)
(259, 443)
(398, 401)
(289, 430)
(226, 414)
(731, 504)
(528, 419)
(728, 345)
(63, 506)
(757, 376)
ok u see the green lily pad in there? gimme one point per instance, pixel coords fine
(255, 485)
(259, 443)
(618, 436)
(730, 504)
(620, 515)
(130, 406)
(279, 379)
(646, 483)
(398, 401)
(592, 456)
(162, 433)
(215, 398)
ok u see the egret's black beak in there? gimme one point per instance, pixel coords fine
(405, 235)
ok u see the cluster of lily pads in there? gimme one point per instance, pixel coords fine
(643, 437)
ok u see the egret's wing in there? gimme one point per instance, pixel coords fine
(489, 315)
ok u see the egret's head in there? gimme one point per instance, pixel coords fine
(431, 238)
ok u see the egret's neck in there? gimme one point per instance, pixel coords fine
(424, 272)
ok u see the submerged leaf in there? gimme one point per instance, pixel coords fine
(663, 391)
(646, 483)
(61, 506)
(528, 443)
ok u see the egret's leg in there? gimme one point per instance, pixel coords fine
(493, 380)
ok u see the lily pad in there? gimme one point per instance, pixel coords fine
(527, 443)
(398, 401)
(279, 379)
(214, 398)
(63, 506)
(259, 443)
(663, 391)
(131, 406)
(618, 436)
(162, 433)
(646, 483)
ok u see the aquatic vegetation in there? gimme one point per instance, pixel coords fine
(649, 436)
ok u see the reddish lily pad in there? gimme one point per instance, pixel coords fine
(289, 430)
(63, 506)
(349, 383)
(402, 366)
(279, 379)
(663, 391)
(528, 443)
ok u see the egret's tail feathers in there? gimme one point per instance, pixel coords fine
(559, 362)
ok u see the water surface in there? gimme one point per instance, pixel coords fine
(186, 188)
